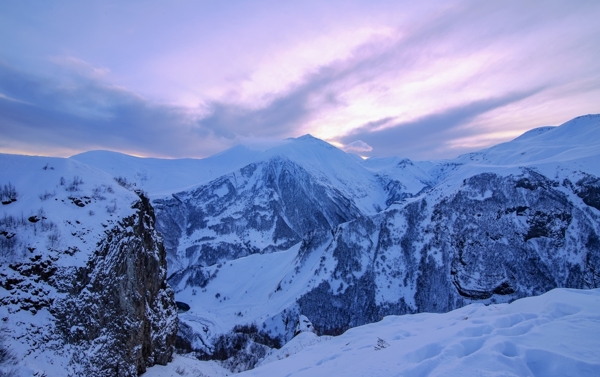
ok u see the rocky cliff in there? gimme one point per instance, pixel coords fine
(119, 310)
(82, 273)
(495, 239)
(263, 207)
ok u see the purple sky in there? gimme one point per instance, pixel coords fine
(423, 80)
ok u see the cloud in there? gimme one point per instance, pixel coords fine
(428, 136)
(357, 146)
(436, 65)
(279, 119)
(84, 114)
(79, 66)
(413, 90)
(262, 143)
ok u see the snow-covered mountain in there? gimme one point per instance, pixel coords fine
(82, 272)
(303, 186)
(160, 177)
(256, 238)
(432, 236)
(576, 140)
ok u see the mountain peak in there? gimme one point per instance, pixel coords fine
(308, 138)
(309, 141)
(534, 132)
(98, 152)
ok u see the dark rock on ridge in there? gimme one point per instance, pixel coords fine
(120, 313)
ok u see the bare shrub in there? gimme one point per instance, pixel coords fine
(97, 193)
(75, 183)
(8, 193)
(112, 207)
(7, 359)
(47, 195)
(53, 239)
(123, 182)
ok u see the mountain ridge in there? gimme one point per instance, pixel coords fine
(420, 251)
(255, 238)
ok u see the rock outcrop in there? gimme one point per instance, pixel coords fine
(119, 313)
(495, 239)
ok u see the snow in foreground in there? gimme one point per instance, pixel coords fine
(555, 334)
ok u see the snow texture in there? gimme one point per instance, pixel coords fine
(556, 334)
(553, 335)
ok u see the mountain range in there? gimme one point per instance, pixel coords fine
(251, 240)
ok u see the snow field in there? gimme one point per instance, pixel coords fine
(183, 365)
(61, 204)
(247, 290)
(556, 334)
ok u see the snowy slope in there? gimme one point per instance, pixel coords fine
(331, 166)
(555, 334)
(411, 177)
(61, 203)
(161, 177)
(577, 139)
(65, 235)
(254, 289)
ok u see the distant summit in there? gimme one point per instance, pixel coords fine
(534, 132)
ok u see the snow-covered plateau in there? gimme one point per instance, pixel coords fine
(99, 251)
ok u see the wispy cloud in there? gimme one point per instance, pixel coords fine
(79, 66)
(86, 114)
(466, 61)
(357, 146)
(429, 135)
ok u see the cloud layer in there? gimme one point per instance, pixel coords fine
(380, 78)
(69, 116)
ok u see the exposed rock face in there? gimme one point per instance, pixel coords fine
(264, 207)
(120, 313)
(497, 238)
